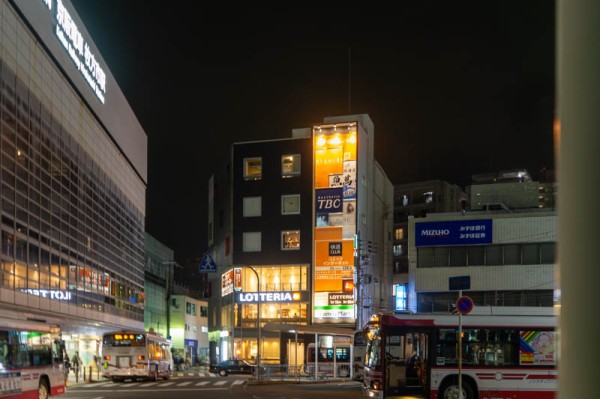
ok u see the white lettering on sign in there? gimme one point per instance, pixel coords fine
(52, 294)
(329, 203)
(265, 297)
(72, 40)
(435, 233)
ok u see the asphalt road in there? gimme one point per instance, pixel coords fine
(231, 387)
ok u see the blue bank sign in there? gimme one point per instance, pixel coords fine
(455, 232)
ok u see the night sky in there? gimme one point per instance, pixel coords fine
(453, 88)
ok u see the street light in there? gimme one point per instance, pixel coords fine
(259, 330)
(259, 335)
(169, 287)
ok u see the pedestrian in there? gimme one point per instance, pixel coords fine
(76, 364)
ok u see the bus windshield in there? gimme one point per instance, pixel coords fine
(32, 358)
(124, 340)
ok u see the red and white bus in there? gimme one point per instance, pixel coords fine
(32, 358)
(506, 353)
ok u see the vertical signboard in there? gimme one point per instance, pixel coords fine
(335, 155)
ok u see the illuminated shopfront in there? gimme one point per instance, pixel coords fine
(283, 297)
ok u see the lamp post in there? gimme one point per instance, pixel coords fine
(169, 288)
(259, 330)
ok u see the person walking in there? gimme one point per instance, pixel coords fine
(76, 364)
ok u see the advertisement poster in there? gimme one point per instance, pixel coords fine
(537, 348)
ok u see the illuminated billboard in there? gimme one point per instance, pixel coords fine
(335, 172)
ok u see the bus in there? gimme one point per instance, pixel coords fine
(132, 354)
(360, 346)
(333, 360)
(505, 353)
(32, 357)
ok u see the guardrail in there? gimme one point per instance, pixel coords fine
(301, 372)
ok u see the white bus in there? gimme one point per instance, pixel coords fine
(131, 354)
(332, 361)
(32, 358)
(501, 353)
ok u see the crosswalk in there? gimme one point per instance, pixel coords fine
(162, 384)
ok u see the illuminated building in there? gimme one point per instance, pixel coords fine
(300, 229)
(73, 176)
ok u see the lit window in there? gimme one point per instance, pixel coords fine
(290, 239)
(401, 294)
(290, 204)
(252, 168)
(251, 241)
(399, 234)
(252, 206)
(290, 165)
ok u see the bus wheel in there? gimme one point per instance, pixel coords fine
(450, 390)
(43, 390)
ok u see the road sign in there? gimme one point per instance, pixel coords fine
(464, 305)
(459, 283)
(207, 264)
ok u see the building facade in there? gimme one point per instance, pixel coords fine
(508, 257)
(294, 225)
(417, 200)
(189, 329)
(158, 285)
(73, 179)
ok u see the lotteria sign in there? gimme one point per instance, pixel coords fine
(453, 232)
(271, 297)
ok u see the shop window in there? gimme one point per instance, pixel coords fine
(253, 168)
(252, 206)
(290, 204)
(290, 165)
(290, 239)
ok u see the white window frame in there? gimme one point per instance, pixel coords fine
(283, 234)
(252, 207)
(283, 203)
(296, 160)
(252, 241)
(247, 162)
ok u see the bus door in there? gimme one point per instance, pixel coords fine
(406, 360)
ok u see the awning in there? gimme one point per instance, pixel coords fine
(304, 329)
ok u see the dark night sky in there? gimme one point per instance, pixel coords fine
(453, 88)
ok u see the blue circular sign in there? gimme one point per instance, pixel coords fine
(464, 305)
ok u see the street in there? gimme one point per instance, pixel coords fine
(209, 387)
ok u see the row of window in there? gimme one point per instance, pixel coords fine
(487, 255)
(446, 301)
(290, 167)
(252, 241)
(290, 205)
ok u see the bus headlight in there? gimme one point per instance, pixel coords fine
(376, 385)
(140, 357)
